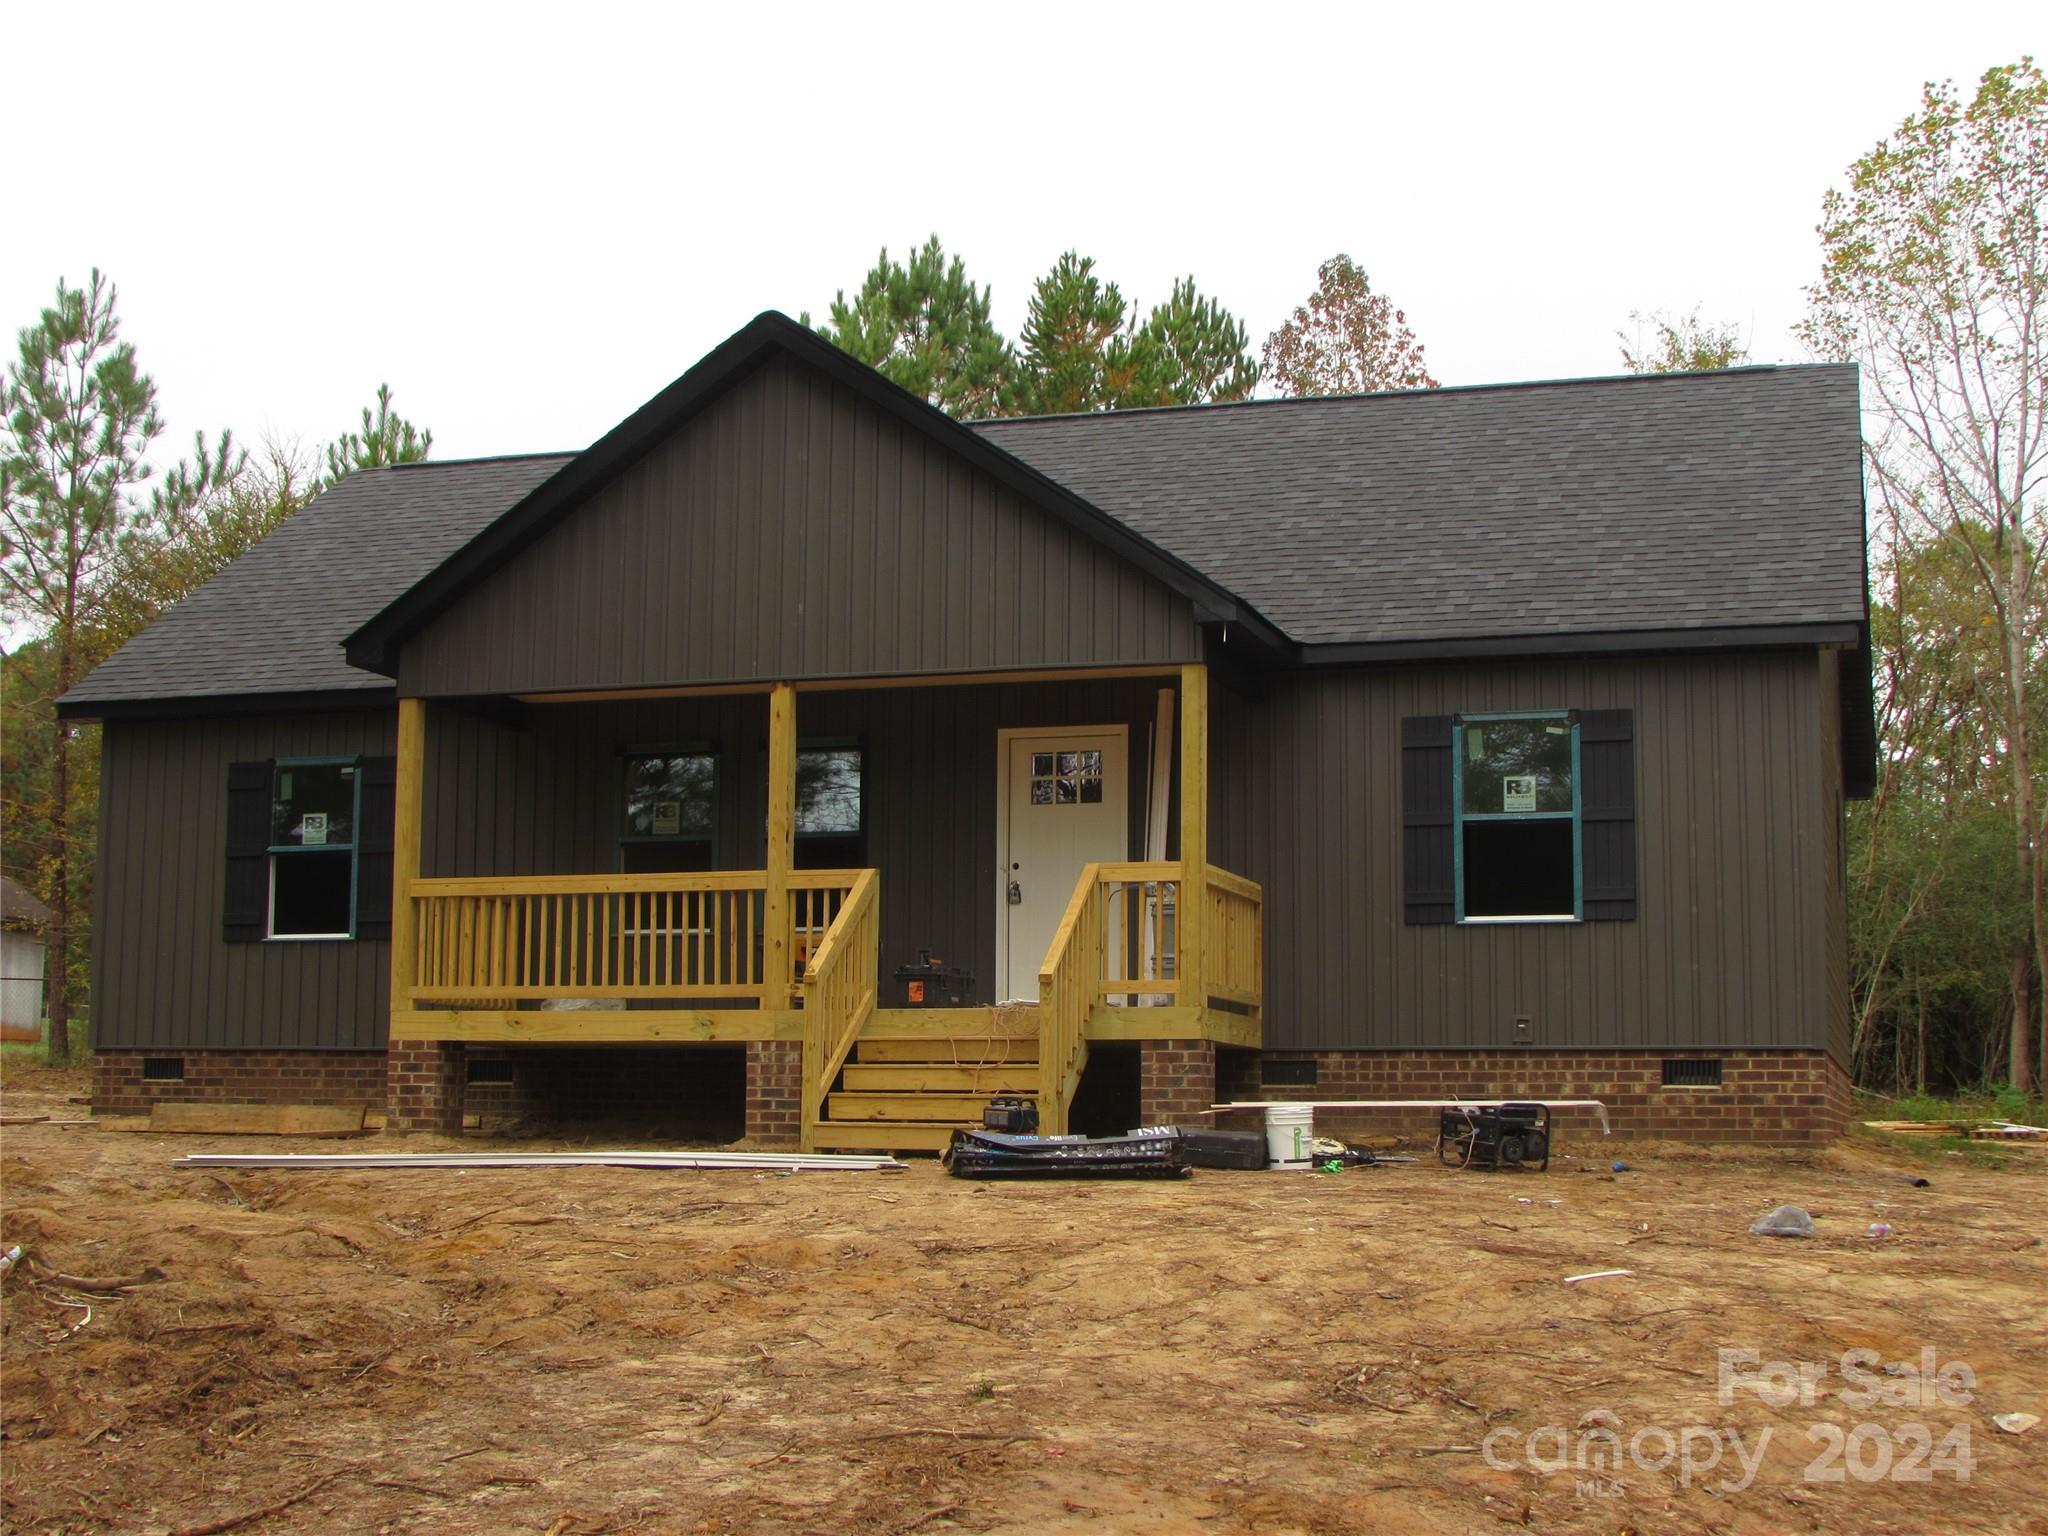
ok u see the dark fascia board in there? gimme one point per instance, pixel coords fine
(1856, 688)
(1640, 642)
(374, 646)
(214, 705)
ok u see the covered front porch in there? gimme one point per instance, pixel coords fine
(753, 864)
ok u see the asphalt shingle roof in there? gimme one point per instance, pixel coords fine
(1581, 507)
(1688, 501)
(274, 620)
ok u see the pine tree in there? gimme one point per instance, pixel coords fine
(80, 418)
(1080, 352)
(927, 327)
(1194, 351)
(387, 438)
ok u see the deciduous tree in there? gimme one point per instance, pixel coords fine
(1681, 344)
(1933, 278)
(1345, 340)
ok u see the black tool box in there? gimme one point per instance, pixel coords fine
(1017, 1117)
(993, 1155)
(1204, 1148)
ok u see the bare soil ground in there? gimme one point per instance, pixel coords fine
(598, 1350)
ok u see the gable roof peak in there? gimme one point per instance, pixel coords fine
(373, 646)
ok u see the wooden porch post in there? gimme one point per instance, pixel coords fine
(776, 975)
(1191, 917)
(405, 846)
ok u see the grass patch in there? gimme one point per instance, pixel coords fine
(36, 1053)
(1999, 1103)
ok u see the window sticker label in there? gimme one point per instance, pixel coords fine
(668, 818)
(1518, 792)
(313, 829)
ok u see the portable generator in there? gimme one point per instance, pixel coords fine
(1489, 1136)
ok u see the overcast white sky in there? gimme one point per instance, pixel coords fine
(529, 219)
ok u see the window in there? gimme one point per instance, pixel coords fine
(1515, 802)
(1066, 778)
(829, 823)
(669, 811)
(313, 813)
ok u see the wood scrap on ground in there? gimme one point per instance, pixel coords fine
(259, 1119)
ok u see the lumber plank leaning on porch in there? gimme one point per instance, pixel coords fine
(405, 851)
(1191, 908)
(776, 976)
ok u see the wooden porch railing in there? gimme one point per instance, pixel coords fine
(1139, 939)
(1067, 983)
(1120, 944)
(1236, 940)
(839, 989)
(686, 937)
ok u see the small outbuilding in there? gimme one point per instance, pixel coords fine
(22, 921)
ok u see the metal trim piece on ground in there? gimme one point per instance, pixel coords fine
(1594, 1105)
(775, 1162)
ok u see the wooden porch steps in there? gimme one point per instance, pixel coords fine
(917, 1075)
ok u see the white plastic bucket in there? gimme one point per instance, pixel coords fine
(1289, 1130)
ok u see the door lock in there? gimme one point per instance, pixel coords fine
(1016, 894)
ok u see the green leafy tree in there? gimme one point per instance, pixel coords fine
(387, 438)
(1345, 340)
(80, 419)
(1681, 344)
(927, 327)
(1933, 278)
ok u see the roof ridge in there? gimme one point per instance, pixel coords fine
(1437, 392)
(485, 458)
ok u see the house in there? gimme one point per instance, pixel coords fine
(1488, 740)
(22, 920)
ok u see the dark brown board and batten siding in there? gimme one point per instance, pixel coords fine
(544, 799)
(788, 531)
(162, 975)
(1735, 936)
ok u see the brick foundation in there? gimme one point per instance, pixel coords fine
(1770, 1097)
(237, 1077)
(1176, 1082)
(775, 1089)
(425, 1085)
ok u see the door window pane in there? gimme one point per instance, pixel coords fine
(1066, 778)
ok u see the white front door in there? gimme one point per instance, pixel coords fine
(1063, 808)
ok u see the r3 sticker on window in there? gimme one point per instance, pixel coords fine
(1518, 792)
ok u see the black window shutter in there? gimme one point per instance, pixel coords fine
(1607, 814)
(1429, 873)
(379, 792)
(245, 893)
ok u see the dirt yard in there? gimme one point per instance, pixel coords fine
(1388, 1350)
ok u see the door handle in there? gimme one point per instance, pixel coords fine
(1016, 894)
